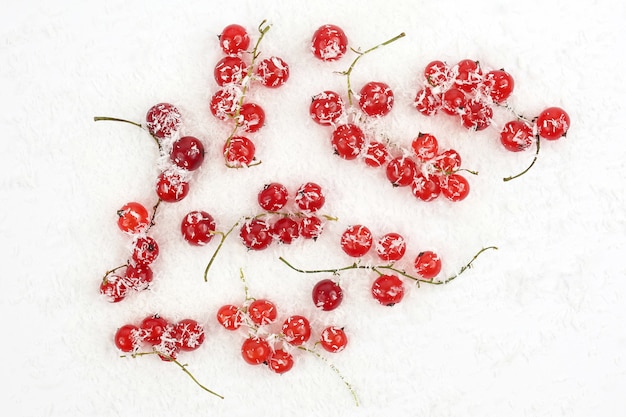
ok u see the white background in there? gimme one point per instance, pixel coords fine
(534, 329)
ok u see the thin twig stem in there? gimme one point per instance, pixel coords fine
(538, 141)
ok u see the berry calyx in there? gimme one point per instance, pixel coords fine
(327, 295)
(356, 240)
(296, 329)
(333, 339)
(376, 99)
(198, 227)
(427, 264)
(234, 39)
(329, 43)
(133, 218)
(388, 289)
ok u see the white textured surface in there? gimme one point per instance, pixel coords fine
(535, 329)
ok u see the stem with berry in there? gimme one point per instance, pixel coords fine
(139, 125)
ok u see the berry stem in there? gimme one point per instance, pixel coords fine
(223, 237)
(115, 119)
(154, 211)
(181, 366)
(336, 370)
(360, 54)
(538, 141)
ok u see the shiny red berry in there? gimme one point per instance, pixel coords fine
(133, 218)
(255, 350)
(498, 84)
(145, 250)
(469, 75)
(138, 276)
(454, 187)
(127, 338)
(163, 120)
(285, 230)
(426, 102)
(171, 186)
(189, 334)
(436, 73)
(310, 197)
(329, 43)
(425, 188)
(356, 240)
(333, 339)
(477, 115)
(391, 247)
(234, 39)
(152, 329)
(187, 153)
(223, 103)
(114, 288)
(198, 227)
(327, 295)
(347, 141)
(272, 72)
(553, 123)
(516, 135)
(388, 290)
(280, 361)
(251, 117)
(296, 329)
(427, 264)
(229, 70)
(262, 312)
(401, 171)
(230, 317)
(376, 99)
(425, 146)
(239, 151)
(326, 108)
(273, 196)
(256, 234)
(311, 227)
(376, 154)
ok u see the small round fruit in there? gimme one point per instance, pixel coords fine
(198, 227)
(272, 72)
(239, 151)
(255, 350)
(426, 102)
(230, 317)
(310, 197)
(297, 330)
(311, 227)
(376, 99)
(114, 288)
(229, 70)
(187, 153)
(469, 75)
(234, 39)
(133, 218)
(388, 290)
(285, 230)
(347, 141)
(453, 101)
(127, 338)
(356, 240)
(273, 196)
(477, 116)
(391, 247)
(425, 146)
(189, 335)
(333, 339)
(145, 250)
(499, 85)
(251, 117)
(163, 120)
(327, 295)
(376, 154)
(329, 43)
(280, 361)
(427, 264)
(138, 276)
(516, 136)
(436, 73)
(454, 187)
(262, 312)
(223, 104)
(447, 161)
(255, 234)
(401, 171)
(152, 328)
(326, 108)
(171, 187)
(425, 188)
(552, 123)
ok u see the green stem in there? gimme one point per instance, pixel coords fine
(336, 370)
(223, 237)
(139, 125)
(538, 141)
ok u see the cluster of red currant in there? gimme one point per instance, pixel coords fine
(467, 91)
(388, 288)
(234, 74)
(268, 344)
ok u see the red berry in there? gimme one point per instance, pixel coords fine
(454, 187)
(239, 151)
(171, 187)
(189, 334)
(376, 99)
(310, 197)
(280, 361)
(333, 339)
(427, 264)
(272, 72)
(401, 171)
(255, 350)
(145, 250)
(138, 277)
(391, 247)
(326, 107)
(285, 230)
(425, 188)
(133, 218)
(262, 312)
(347, 141)
(255, 234)
(516, 136)
(234, 39)
(448, 161)
(163, 120)
(453, 101)
(230, 317)
(388, 290)
(198, 227)
(477, 115)
(425, 146)
(223, 104)
(329, 43)
(152, 329)
(356, 240)
(498, 84)
(251, 117)
(469, 75)
(127, 338)
(187, 153)
(273, 196)
(327, 295)
(437, 73)
(229, 70)
(114, 288)
(552, 123)
(376, 154)
(426, 102)
(297, 330)
(311, 227)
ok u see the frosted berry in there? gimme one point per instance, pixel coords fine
(145, 250)
(454, 187)
(516, 135)
(310, 197)
(477, 115)
(187, 153)
(469, 75)
(127, 338)
(426, 102)
(391, 247)
(114, 288)
(310, 227)
(388, 290)
(198, 227)
(273, 196)
(347, 141)
(229, 70)
(152, 329)
(272, 72)
(285, 230)
(498, 84)
(425, 146)
(427, 264)
(327, 295)
(171, 187)
(255, 350)
(262, 312)
(132, 218)
(333, 339)
(229, 316)
(401, 171)
(255, 234)
(326, 107)
(138, 277)
(239, 151)
(296, 329)
(163, 120)
(223, 103)
(234, 39)
(376, 154)
(356, 240)
(376, 99)
(251, 117)
(280, 361)
(425, 188)
(437, 73)
(329, 43)
(552, 123)
(189, 334)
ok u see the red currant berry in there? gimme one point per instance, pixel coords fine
(152, 329)
(189, 334)
(280, 361)
(163, 120)
(297, 330)
(262, 312)
(171, 187)
(326, 108)
(255, 234)
(229, 70)
(272, 72)
(167, 349)
(198, 227)
(285, 230)
(333, 339)
(454, 187)
(187, 153)
(114, 288)
(311, 227)
(255, 350)
(356, 240)
(426, 102)
(347, 141)
(425, 146)
(327, 295)
(469, 75)
(448, 161)
(437, 73)
(401, 171)
(133, 218)
(552, 123)
(251, 117)
(310, 197)
(127, 338)
(239, 151)
(223, 104)
(230, 317)
(391, 247)
(138, 277)
(425, 188)
(329, 43)
(376, 99)
(376, 154)
(234, 39)
(453, 101)
(145, 250)
(516, 136)
(477, 115)
(273, 197)
(388, 290)
(427, 264)
(498, 84)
